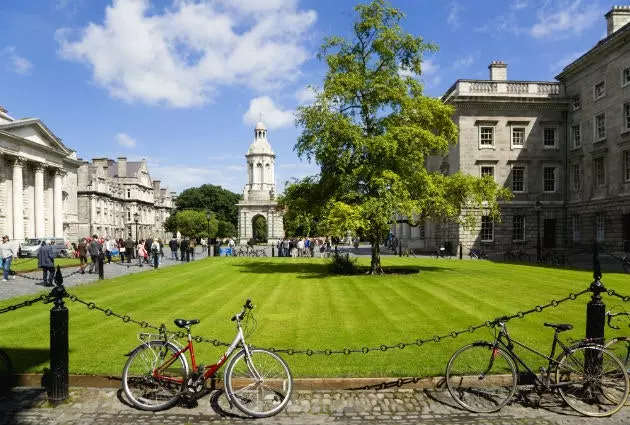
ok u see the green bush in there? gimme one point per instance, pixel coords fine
(341, 263)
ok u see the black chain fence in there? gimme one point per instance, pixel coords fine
(613, 293)
(27, 303)
(39, 279)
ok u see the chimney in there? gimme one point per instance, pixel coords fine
(100, 162)
(156, 185)
(498, 71)
(163, 193)
(617, 18)
(122, 166)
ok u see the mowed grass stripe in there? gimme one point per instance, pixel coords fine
(298, 305)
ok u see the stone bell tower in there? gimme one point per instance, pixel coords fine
(260, 191)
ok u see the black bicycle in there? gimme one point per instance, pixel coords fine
(478, 254)
(483, 376)
(625, 263)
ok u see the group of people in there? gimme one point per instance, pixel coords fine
(303, 247)
(186, 247)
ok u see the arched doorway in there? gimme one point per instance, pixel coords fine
(259, 228)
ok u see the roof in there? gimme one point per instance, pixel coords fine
(260, 126)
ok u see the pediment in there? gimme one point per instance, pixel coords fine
(35, 131)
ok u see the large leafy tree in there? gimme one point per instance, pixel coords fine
(371, 129)
(221, 201)
(194, 224)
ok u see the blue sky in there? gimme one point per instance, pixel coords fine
(183, 82)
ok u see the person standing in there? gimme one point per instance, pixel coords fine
(183, 247)
(83, 253)
(94, 249)
(172, 244)
(191, 248)
(109, 246)
(129, 249)
(46, 261)
(8, 252)
(141, 251)
(122, 248)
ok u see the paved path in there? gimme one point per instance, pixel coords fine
(398, 406)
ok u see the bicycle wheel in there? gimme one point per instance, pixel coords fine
(6, 374)
(152, 378)
(620, 347)
(260, 384)
(481, 378)
(598, 389)
(626, 265)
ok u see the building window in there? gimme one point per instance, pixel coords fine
(599, 127)
(626, 116)
(600, 225)
(576, 177)
(575, 221)
(128, 215)
(625, 77)
(549, 179)
(518, 228)
(599, 90)
(626, 166)
(575, 103)
(128, 193)
(518, 137)
(487, 229)
(487, 171)
(599, 167)
(518, 179)
(549, 137)
(486, 136)
(576, 136)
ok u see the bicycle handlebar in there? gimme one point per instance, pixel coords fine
(247, 306)
(612, 315)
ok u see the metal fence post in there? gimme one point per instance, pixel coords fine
(58, 385)
(595, 316)
(461, 249)
(101, 275)
(272, 251)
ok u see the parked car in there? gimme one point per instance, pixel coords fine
(31, 246)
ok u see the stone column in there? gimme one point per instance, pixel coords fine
(39, 201)
(18, 200)
(92, 217)
(57, 205)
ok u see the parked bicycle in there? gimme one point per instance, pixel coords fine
(619, 345)
(558, 259)
(157, 374)
(483, 376)
(441, 253)
(478, 254)
(625, 263)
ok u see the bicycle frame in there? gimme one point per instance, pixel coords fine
(504, 340)
(209, 370)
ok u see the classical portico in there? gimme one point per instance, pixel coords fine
(37, 173)
(259, 192)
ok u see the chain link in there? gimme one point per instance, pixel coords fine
(26, 303)
(23, 276)
(612, 293)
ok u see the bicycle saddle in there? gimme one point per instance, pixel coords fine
(560, 327)
(182, 323)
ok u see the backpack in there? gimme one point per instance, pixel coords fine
(155, 247)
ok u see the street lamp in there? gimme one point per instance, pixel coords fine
(538, 208)
(208, 218)
(136, 219)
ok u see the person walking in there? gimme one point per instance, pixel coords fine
(94, 249)
(141, 251)
(183, 247)
(109, 247)
(129, 249)
(8, 251)
(122, 248)
(191, 248)
(82, 250)
(172, 244)
(46, 261)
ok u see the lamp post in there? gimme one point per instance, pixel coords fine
(208, 218)
(136, 219)
(538, 208)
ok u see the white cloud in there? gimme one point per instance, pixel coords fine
(455, 8)
(272, 116)
(125, 140)
(224, 157)
(559, 65)
(519, 4)
(571, 17)
(305, 95)
(464, 62)
(181, 55)
(16, 63)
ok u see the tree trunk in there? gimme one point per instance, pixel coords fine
(375, 265)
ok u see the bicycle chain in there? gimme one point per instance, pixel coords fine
(328, 351)
(26, 303)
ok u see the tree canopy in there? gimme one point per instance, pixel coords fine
(221, 201)
(371, 129)
(193, 224)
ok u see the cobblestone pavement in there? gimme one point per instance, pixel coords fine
(86, 406)
(31, 283)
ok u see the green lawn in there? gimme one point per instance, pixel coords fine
(298, 305)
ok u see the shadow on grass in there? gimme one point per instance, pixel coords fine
(309, 270)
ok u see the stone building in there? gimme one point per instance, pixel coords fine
(119, 199)
(562, 147)
(259, 192)
(38, 181)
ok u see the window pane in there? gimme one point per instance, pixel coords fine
(626, 116)
(549, 179)
(576, 137)
(487, 229)
(600, 171)
(549, 137)
(518, 179)
(487, 171)
(577, 176)
(518, 228)
(600, 220)
(518, 136)
(600, 127)
(487, 134)
(576, 228)
(626, 165)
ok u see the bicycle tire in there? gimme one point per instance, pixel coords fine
(620, 347)
(481, 378)
(258, 398)
(6, 374)
(143, 390)
(595, 393)
(626, 265)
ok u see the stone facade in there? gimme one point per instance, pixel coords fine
(38, 181)
(562, 147)
(112, 194)
(259, 192)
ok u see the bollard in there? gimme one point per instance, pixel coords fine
(595, 316)
(272, 251)
(461, 249)
(155, 260)
(101, 275)
(58, 382)
(400, 248)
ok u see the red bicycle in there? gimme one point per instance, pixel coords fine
(157, 374)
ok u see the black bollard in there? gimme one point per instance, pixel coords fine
(272, 251)
(461, 249)
(101, 257)
(58, 382)
(595, 316)
(399, 248)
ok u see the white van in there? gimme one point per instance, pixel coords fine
(31, 246)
